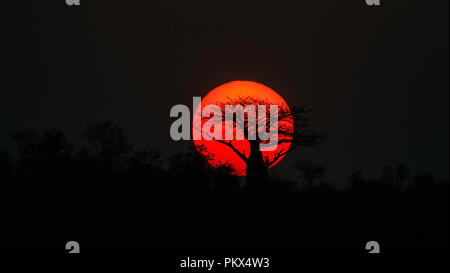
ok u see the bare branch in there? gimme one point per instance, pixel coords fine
(242, 156)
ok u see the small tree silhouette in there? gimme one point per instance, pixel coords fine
(310, 174)
(293, 127)
(146, 162)
(190, 166)
(403, 176)
(388, 175)
(107, 145)
(44, 153)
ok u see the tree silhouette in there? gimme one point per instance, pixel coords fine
(146, 163)
(403, 176)
(190, 166)
(42, 153)
(292, 124)
(310, 174)
(388, 175)
(107, 145)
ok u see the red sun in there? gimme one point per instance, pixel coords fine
(222, 154)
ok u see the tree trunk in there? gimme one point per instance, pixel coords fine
(256, 169)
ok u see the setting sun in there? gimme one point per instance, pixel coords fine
(223, 154)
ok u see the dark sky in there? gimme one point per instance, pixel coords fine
(378, 76)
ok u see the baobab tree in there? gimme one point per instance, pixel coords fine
(290, 127)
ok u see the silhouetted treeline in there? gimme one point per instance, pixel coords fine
(107, 152)
(107, 187)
